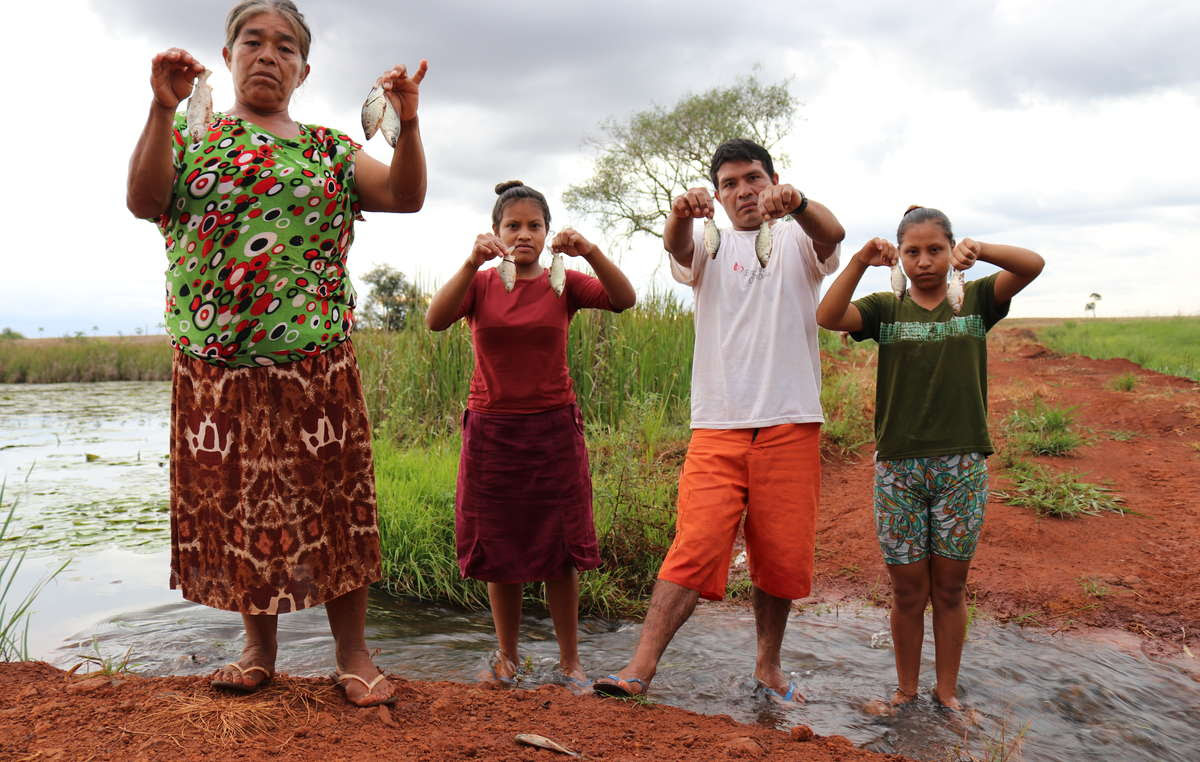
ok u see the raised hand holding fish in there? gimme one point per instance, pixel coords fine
(393, 100)
(171, 75)
(962, 257)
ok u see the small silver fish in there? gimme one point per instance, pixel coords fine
(508, 272)
(378, 114)
(199, 108)
(712, 237)
(956, 290)
(899, 282)
(762, 243)
(558, 273)
(529, 739)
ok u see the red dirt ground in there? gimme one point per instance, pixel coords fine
(1033, 570)
(48, 715)
(1029, 570)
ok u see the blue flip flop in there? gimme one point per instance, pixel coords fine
(767, 691)
(615, 690)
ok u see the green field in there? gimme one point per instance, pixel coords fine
(1167, 345)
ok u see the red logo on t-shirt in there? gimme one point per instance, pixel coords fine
(737, 267)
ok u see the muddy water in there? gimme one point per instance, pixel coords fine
(1069, 698)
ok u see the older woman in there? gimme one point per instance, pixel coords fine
(272, 484)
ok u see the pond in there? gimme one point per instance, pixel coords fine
(1070, 697)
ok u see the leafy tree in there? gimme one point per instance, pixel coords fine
(1091, 306)
(393, 299)
(9, 333)
(643, 163)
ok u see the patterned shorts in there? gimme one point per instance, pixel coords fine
(930, 505)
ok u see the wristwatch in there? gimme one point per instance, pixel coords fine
(800, 209)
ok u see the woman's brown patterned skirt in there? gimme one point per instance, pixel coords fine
(272, 484)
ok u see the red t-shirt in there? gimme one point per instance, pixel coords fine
(520, 340)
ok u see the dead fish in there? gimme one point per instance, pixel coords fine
(508, 272)
(558, 273)
(956, 290)
(899, 282)
(529, 739)
(378, 114)
(712, 237)
(762, 243)
(199, 108)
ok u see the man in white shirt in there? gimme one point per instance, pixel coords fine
(756, 409)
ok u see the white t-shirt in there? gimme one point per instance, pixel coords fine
(756, 361)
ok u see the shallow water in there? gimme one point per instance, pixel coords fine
(1072, 698)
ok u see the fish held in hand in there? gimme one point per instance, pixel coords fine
(558, 273)
(712, 237)
(762, 244)
(378, 115)
(899, 282)
(508, 272)
(199, 108)
(956, 290)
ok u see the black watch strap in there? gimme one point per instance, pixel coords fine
(803, 205)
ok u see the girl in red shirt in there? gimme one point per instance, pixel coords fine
(523, 510)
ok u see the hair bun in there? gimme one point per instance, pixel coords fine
(501, 187)
(913, 208)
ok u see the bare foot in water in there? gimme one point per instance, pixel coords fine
(900, 698)
(947, 702)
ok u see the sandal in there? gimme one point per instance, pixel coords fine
(240, 686)
(369, 699)
(495, 677)
(620, 687)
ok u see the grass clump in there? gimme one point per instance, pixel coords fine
(14, 618)
(1043, 430)
(1126, 382)
(1166, 345)
(1057, 495)
(847, 379)
(1093, 588)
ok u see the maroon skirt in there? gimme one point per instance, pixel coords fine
(272, 483)
(523, 512)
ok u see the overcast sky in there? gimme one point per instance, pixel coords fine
(1059, 126)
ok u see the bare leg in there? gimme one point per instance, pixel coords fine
(770, 621)
(562, 595)
(670, 607)
(505, 598)
(258, 651)
(949, 583)
(348, 622)
(910, 593)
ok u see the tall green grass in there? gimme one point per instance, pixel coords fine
(633, 504)
(50, 361)
(1167, 345)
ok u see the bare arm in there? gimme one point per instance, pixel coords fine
(677, 233)
(151, 167)
(618, 288)
(399, 186)
(445, 304)
(835, 311)
(1018, 267)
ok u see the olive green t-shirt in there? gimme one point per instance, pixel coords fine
(931, 384)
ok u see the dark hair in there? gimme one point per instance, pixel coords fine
(247, 9)
(918, 214)
(739, 149)
(514, 190)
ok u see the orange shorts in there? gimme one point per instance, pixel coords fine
(773, 475)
